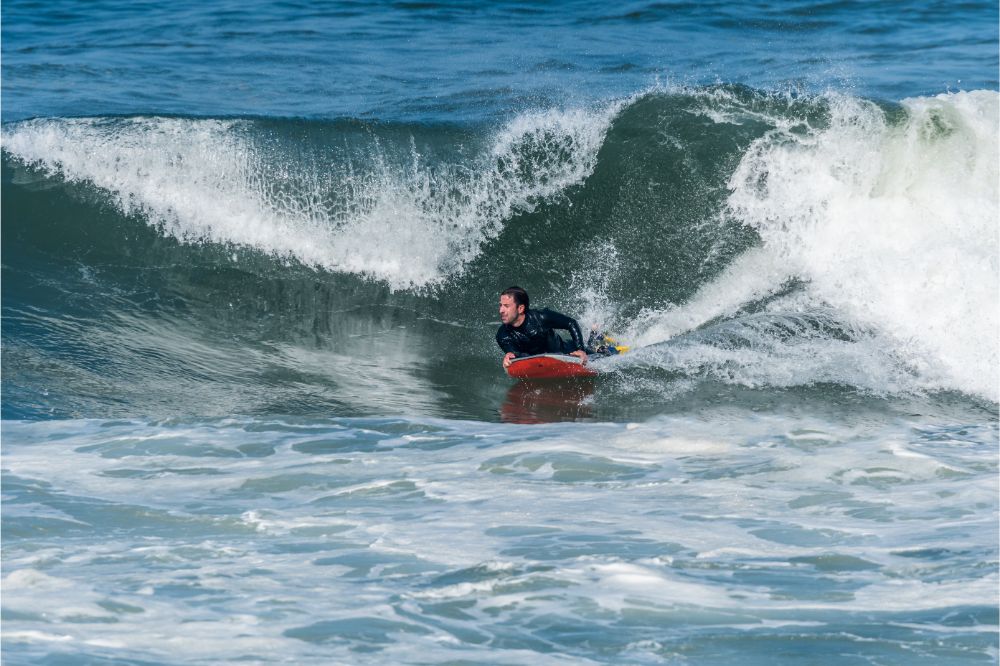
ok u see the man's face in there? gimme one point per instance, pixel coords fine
(509, 312)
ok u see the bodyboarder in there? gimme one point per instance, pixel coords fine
(525, 332)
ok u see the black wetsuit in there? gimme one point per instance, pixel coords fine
(537, 334)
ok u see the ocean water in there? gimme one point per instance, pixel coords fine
(252, 406)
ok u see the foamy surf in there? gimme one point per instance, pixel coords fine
(892, 223)
(883, 225)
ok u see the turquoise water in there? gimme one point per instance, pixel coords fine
(252, 406)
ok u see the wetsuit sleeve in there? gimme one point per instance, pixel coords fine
(505, 342)
(557, 320)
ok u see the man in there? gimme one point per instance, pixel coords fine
(525, 332)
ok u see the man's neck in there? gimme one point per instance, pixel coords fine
(520, 320)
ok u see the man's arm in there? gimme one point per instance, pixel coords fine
(505, 342)
(557, 320)
(507, 345)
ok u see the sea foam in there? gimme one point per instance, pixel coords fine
(894, 224)
(879, 250)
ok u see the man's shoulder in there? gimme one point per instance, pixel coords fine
(547, 313)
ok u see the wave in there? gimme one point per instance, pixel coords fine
(894, 224)
(757, 239)
(383, 212)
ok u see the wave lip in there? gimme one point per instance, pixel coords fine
(893, 223)
(411, 223)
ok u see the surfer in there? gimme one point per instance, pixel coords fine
(525, 332)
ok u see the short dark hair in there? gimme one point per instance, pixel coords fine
(519, 295)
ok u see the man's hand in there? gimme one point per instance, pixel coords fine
(582, 355)
(507, 358)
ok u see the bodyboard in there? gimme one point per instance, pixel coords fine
(549, 366)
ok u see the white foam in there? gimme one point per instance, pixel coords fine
(752, 276)
(893, 224)
(616, 585)
(37, 636)
(892, 228)
(34, 592)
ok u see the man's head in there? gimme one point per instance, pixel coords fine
(513, 305)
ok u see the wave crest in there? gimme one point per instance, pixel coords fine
(894, 224)
(396, 216)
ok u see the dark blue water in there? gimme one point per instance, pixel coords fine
(452, 61)
(252, 406)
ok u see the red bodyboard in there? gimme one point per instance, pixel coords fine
(548, 366)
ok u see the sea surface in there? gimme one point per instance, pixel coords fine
(253, 410)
